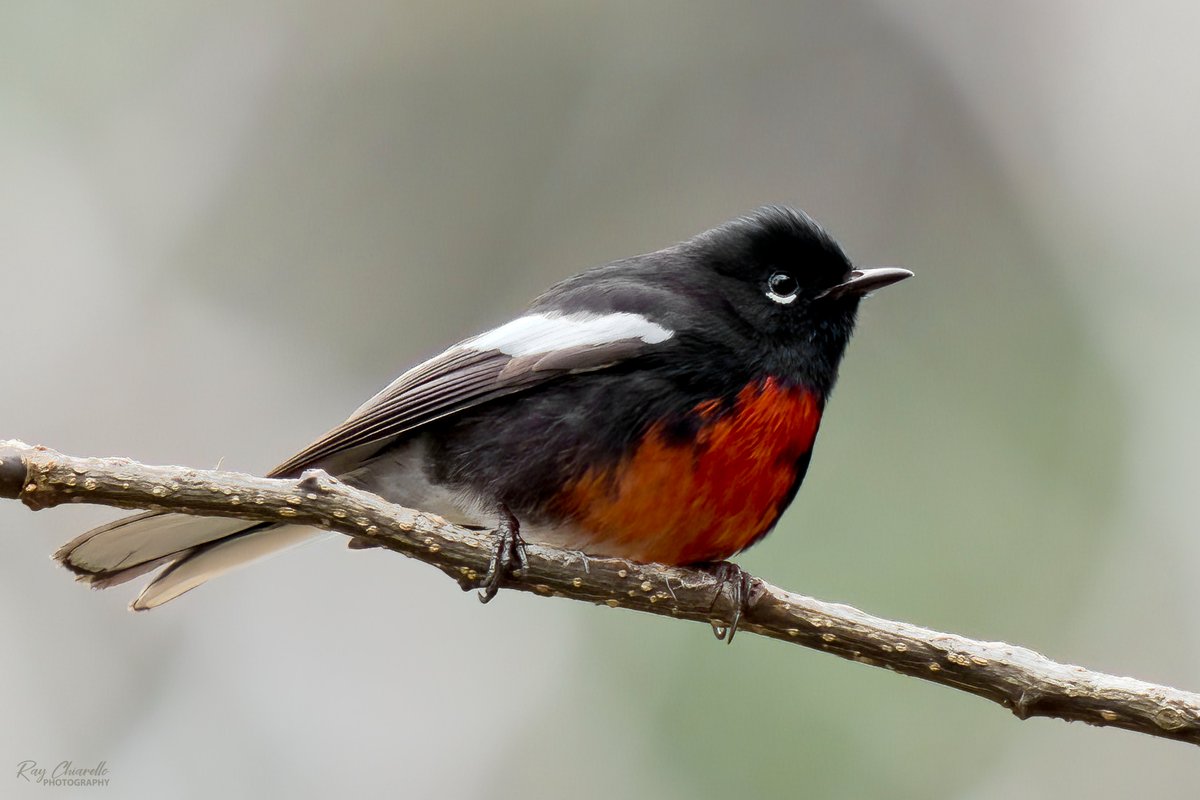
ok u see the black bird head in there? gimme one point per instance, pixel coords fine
(778, 279)
(782, 273)
(768, 293)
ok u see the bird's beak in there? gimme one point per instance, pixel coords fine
(862, 281)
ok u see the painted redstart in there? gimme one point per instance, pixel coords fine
(658, 408)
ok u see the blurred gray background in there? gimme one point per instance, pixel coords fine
(224, 225)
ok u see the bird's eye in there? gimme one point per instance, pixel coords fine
(782, 288)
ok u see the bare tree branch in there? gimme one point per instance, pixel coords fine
(1027, 683)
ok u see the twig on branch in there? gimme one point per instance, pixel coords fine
(1025, 682)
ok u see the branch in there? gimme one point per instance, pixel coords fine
(1025, 682)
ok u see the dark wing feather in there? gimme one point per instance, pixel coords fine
(453, 381)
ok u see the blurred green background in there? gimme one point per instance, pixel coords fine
(224, 225)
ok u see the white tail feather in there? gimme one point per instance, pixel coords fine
(209, 562)
(194, 549)
(137, 540)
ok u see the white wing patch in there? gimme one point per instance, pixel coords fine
(544, 333)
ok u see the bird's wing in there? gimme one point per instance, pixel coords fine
(514, 357)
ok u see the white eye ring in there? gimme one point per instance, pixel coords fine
(782, 288)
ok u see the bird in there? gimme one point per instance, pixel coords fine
(659, 408)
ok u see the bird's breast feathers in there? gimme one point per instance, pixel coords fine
(703, 497)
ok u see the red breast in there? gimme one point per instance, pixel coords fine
(707, 498)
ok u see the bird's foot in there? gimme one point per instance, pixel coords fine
(508, 557)
(741, 596)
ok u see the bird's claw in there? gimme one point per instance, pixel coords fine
(508, 557)
(741, 590)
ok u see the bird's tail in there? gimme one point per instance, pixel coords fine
(194, 550)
